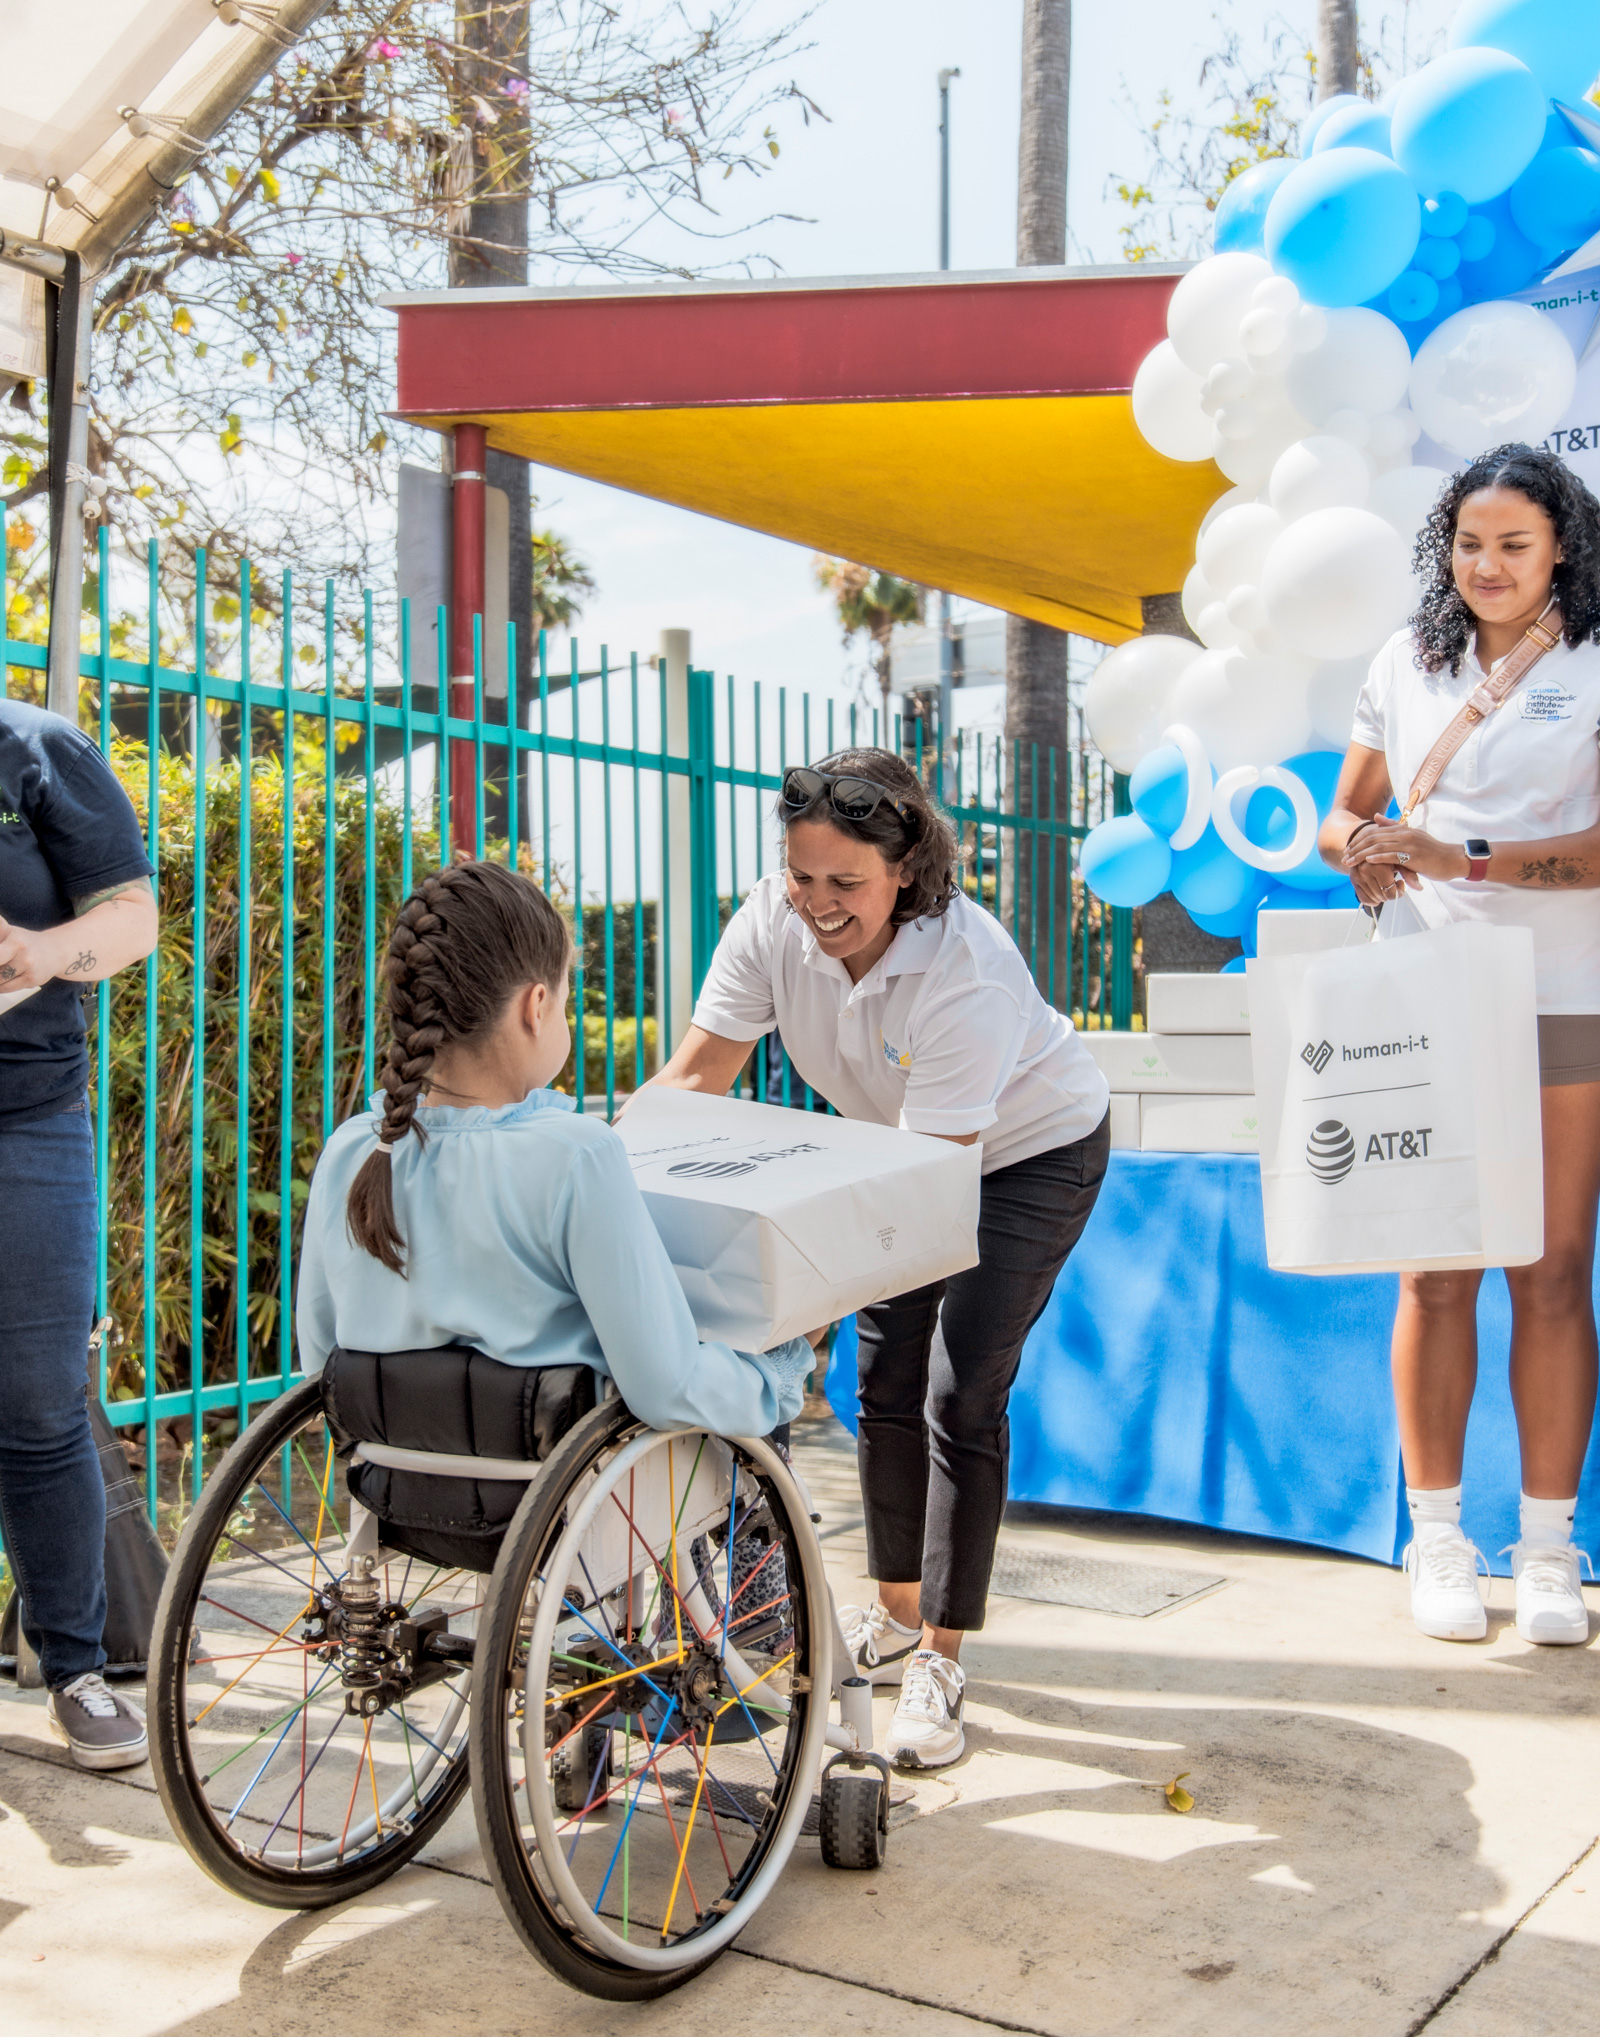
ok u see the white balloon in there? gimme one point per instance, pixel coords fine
(1215, 630)
(1337, 582)
(1353, 426)
(1246, 610)
(1250, 460)
(1197, 807)
(1263, 332)
(1166, 406)
(1227, 382)
(1362, 363)
(1245, 710)
(1198, 595)
(1389, 437)
(1492, 373)
(1126, 700)
(1204, 312)
(1310, 328)
(1233, 549)
(1404, 497)
(1245, 778)
(1318, 473)
(1229, 500)
(1331, 700)
(1277, 294)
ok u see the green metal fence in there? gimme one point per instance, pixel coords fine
(287, 821)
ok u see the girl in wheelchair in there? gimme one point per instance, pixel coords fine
(472, 1206)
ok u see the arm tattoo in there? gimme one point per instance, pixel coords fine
(6, 972)
(81, 967)
(137, 889)
(1553, 872)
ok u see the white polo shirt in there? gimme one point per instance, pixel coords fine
(946, 1034)
(1531, 770)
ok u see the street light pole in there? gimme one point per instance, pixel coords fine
(946, 640)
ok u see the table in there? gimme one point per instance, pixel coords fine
(1175, 1374)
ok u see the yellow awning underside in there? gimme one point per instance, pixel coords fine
(1047, 506)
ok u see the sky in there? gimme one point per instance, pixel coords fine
(864, 184)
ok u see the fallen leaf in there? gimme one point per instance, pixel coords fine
(1178, 1798)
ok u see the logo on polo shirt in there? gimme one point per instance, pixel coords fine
(893, 1055)
(1548, 702)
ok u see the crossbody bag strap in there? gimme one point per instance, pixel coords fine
(1482, 701)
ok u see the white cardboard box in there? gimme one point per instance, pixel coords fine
(1198, 1124)
(1180, 1064)
(778, 1220)
(1196, 1004)
(1310, 933)
(1124, 1124)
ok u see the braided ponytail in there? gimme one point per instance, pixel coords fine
(465, 942)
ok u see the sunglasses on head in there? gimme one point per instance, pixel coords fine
(854, 798)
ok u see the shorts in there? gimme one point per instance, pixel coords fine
(1569, 1048)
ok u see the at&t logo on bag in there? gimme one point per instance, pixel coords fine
(1331, 1148)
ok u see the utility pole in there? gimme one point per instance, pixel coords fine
(946, 641)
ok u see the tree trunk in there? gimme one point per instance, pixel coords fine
(1036, 654)
(1170, 942)
(492, 254)
(1336, 47)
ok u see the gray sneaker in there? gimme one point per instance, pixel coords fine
(102, 1729)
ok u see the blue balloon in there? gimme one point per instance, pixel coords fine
(1412, 296)
(1233, 968)
(1228, 926)
(1124, 862)
(1343, 226)
(1556, 200)
(1209, 878)
(1318, 771)
(1341, 897)
(1361, 126)
(1476, 238)
(1437, 258)
(1511, 263)
(1444, 215)
(1159, 788)
(1242, 209)
(1469, 122)
(1451, 298)
(1325, 112)
(1558, 40)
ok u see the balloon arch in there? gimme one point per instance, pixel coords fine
(1354, 337)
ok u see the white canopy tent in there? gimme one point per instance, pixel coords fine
(105, 107)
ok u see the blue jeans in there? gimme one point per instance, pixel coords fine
(52, 1492)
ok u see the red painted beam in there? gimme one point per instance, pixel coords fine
(1049, 335)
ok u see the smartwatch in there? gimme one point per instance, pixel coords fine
(1477, 860)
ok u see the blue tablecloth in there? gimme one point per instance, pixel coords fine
(1175, 1374)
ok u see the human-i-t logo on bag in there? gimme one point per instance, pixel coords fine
(1331, 1149)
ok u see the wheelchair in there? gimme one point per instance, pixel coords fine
(429, 1571)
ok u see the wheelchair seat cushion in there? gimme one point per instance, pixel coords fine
(457, 1401)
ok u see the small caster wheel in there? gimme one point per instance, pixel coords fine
(855, 1817)
(580, 1769)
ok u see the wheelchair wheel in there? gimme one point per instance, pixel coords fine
(660, 1602)
(307, 1736)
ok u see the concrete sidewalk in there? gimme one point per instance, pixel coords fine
(1389, 1835)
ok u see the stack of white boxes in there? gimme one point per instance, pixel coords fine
(1185, 1085)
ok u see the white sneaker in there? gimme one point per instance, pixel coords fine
(1445, 1601)
(925, 1731)
(880, 1646)
(1550, 1607)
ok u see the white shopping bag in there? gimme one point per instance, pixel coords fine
(1398, 1092)
(777, 1221)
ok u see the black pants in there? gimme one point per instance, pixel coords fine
(937, 1367)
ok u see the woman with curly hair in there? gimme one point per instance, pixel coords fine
(905, 1004)
(1510, 833)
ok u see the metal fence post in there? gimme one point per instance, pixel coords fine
(674, 976)
(1121, 929)
(702, 827)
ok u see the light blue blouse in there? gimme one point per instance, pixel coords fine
(527, 1238)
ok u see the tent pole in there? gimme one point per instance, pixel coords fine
(69, 457)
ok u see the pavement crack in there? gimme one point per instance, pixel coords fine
(895, 1994)
(1492, 1953)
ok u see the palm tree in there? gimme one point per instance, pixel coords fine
(1338, 64)
(873, 602)
(1036, 654)
(560, 581)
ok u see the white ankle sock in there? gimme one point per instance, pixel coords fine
(1434, 1512)
(1547, 1523)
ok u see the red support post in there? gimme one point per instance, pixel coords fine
(466, 602)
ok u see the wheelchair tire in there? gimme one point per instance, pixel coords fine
(854, 1818)
(543, 1637)
(242, 1561)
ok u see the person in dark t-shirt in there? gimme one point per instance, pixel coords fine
(75, 907)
